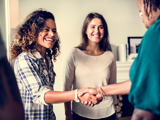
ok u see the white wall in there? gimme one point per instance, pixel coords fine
(9, 12)
(2, 20)
(12, 21)
(122, 17)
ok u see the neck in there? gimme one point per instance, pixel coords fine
(93, 49)
(156, 14)
(42, 51)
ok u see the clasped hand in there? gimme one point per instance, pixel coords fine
(90, 96)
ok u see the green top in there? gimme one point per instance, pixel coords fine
(145, 72)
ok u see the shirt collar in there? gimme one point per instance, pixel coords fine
(35, 54)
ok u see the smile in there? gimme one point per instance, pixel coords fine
(97, 36)
(48, 40)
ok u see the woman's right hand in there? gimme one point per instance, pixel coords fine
(90, 96)
(88, 99)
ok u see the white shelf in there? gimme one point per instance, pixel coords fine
(123, 70)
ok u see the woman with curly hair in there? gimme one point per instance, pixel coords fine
(35, 45)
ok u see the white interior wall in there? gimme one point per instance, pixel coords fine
(12, 21)
(2, 20)
(121, 15)
(9, 12)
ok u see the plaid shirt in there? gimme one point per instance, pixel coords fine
(34, 80)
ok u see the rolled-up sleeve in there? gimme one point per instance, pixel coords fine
(29, 81)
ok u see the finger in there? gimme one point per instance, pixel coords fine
(93, 99)
(82, 93)
(89, 103)
(93, 91)
(92, 104)
(85, 102)
(99, 95)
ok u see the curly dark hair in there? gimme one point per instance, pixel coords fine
(151, 5)
(104, 43)
(26, 37)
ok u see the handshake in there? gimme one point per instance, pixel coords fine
(90, 96)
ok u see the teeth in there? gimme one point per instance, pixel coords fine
(49, 40)
(96, 35)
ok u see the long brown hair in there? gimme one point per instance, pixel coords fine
(104, 43)
(26, 37)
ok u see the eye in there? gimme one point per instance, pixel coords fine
(92, 27)
(46, 29)
(101, 27)
(54, 31)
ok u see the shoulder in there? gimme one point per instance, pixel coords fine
(73, 52)
(151, 37)
(110, 58)
(110, 55)
(24, 58)
(153, 31)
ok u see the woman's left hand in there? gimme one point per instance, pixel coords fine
(90, 96)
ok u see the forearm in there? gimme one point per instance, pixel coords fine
(59, 97)
(118, 88)
(52, 97)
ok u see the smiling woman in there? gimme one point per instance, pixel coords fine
(47, 37)
(35, 46)
(39, 26)
(91, 64)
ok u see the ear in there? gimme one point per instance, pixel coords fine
(40, 33)
(86, 32)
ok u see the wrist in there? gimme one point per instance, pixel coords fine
(97, 90)
(76, 99)
(102, 93)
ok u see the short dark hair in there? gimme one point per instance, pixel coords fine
(152, 5)
(104, 43)
(27, 34)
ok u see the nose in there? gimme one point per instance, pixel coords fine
(51, 33)
(140, 14)
(96, 30)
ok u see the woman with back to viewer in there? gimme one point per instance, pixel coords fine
(144, 84)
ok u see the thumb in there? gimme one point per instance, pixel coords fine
(82, 92)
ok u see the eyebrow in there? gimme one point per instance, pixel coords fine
(49, 27)
(94, 25)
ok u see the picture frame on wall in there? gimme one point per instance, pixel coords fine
(133, 44)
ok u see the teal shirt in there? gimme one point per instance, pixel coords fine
(145, 72)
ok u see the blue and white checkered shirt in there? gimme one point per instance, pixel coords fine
(34, 80)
